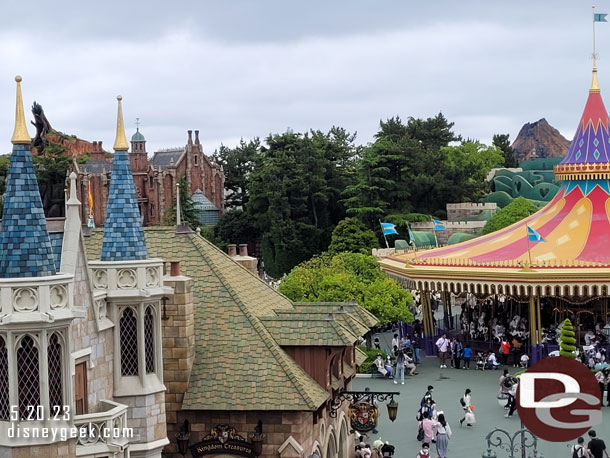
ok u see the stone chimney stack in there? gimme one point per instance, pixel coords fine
(197, 137)
(190, 140)
(243, 249)
(232, 249)
(242, 258)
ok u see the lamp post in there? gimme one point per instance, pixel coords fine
(516, 445)
(257, 439)
(183, 438)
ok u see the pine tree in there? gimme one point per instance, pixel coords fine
(567, 340)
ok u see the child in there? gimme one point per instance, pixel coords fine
(425, 451)
(480, 361)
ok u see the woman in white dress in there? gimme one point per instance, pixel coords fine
(469, 417)
(443, 434)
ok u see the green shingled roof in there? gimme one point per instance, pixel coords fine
(240, 324)
(309, 331)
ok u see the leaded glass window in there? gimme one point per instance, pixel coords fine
(4, 397)
(149, 340)
(55, 382)
(28, 377)
(129, 343)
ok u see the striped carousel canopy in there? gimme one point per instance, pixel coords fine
(575, 226)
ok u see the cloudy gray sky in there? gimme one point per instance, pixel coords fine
(245, 68)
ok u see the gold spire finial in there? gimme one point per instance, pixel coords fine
(20, 134)
(120, 143)
(594, 85)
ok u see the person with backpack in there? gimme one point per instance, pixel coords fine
(465, 401)
(578, 449)
(427, 426)
(459, 353)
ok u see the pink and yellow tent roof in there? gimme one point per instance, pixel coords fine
(575, 258)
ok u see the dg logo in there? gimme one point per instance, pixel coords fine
(558, 399)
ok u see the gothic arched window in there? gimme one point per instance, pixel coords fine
(28, 377)
(55, 378)
(129, 343)
(4, 397)
(149, 340)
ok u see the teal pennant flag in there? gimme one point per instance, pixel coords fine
(600, 17)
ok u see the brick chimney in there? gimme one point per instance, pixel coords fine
(243, 249)
(190, 134)
(197, 137)
(232, 249)
(248, 262)
(97, 153)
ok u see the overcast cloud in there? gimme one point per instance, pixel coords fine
(249, 68)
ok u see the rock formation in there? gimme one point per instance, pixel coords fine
(539, 139)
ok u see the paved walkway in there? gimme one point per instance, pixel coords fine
(449, 385)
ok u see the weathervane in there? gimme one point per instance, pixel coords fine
(138, 119)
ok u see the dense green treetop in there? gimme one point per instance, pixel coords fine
(347, 276)
(517, 210)
(502, 142)
(351, 235)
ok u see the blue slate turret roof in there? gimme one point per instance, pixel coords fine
(25, 245)
(123, 236)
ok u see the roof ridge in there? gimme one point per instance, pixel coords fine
(256, 277)
(279, 354)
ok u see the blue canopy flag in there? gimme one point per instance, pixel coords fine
(388, 228)
(534, 236)
(600, 17)
(438, 225)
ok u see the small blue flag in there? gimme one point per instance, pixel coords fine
(411, 236)
(534, 236)
(438, 225)
(600, 17)
(388, 228)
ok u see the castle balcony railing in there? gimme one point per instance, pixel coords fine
(40, 300)
(104, 433)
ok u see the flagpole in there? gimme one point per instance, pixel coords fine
(527, 238)
(594, 53)
(413, 240)
(384, 237)
(434, 229)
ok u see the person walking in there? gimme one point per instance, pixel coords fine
(603, 378)
(469, 417)
(506, 385)
(596, 447)
(467, 356)
(427, 395)
(578, 450)
(459, 353)
(427, 425)
(416, 342)
(400, 366)
(442, 344)
(443, 434)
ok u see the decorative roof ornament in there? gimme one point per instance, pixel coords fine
(26, 247)
(120, 143)
(20, 134)
(123, 235)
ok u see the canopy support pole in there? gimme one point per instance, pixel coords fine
(539, 324)
(533, 334)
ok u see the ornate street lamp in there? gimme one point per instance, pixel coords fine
(257, 439)
(183, 438)
(392, 409)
